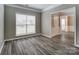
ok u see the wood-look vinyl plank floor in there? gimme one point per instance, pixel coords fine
(39, 45)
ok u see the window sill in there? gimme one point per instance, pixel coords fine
(25, 35)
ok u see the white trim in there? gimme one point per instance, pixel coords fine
(56, 34)
(23, 8)
(2, 47)
(46, 35)
(22, 37)
(77, 46)
(51, 7)
(75, 39)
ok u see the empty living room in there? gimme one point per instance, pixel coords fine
(39, 29)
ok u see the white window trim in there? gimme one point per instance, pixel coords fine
(27, 24)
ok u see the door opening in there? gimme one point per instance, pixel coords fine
(63, 24)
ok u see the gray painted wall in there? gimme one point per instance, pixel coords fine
(1, 26)
(46, 29)
(10, 20)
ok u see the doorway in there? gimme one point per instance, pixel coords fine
(63, 24)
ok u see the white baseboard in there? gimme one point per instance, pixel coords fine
(77, 46)
(46, 35)
(49, 36)
(22, 37)
(56, 34)
(1, 47)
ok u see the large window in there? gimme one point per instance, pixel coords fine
(25, 24)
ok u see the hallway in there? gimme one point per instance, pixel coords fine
(40, 45)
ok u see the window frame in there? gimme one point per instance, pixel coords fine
(26, 24)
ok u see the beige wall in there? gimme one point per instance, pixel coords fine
(55, 26)
(70, 23)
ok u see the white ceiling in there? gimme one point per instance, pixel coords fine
(35, 7)
(42, 7)
(39, 6)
